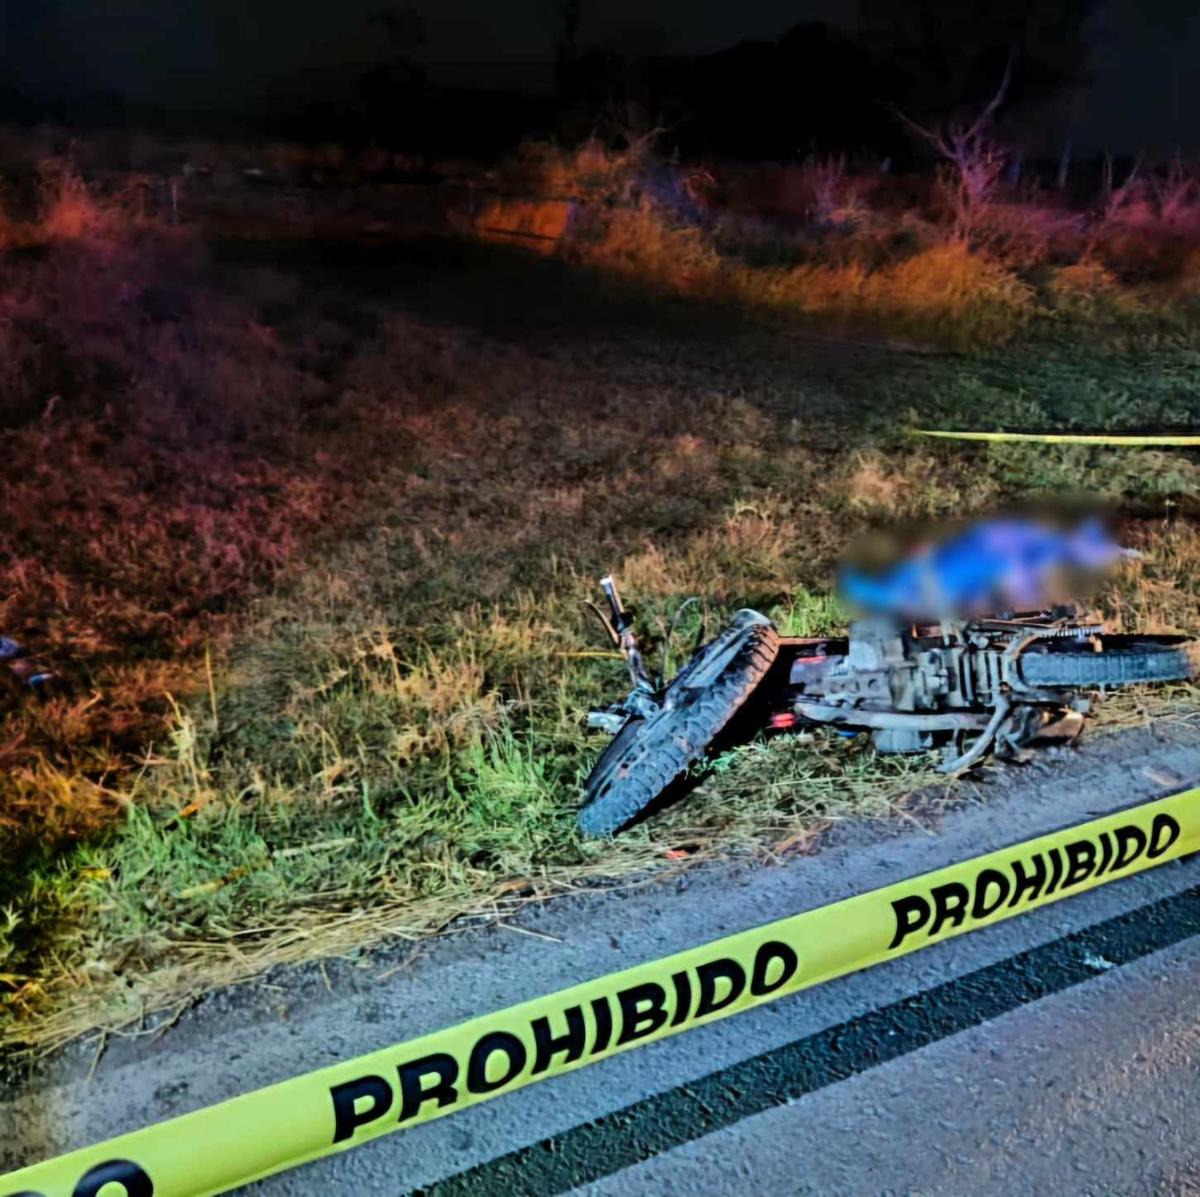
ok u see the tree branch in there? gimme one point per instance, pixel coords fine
(997, 99)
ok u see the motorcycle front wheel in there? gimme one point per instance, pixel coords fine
(649, 754)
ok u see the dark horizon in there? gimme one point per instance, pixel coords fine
(216, 57)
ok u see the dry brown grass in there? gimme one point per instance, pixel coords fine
(151, 482)
(860, 249)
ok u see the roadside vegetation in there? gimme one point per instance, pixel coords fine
(304, 522)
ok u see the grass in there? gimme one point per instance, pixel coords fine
(309, 543)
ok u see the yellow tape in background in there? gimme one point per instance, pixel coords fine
(1060, 438)
(335, 1108)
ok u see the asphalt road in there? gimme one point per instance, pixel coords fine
(1040, 1054)
(1093, 1090)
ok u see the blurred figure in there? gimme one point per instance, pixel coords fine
(993, 566)
(22, 669)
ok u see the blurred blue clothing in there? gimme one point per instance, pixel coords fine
(1007, 564)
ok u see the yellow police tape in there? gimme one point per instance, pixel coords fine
(335, 1108)
(1060, 438)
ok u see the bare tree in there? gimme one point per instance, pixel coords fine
(974, 158)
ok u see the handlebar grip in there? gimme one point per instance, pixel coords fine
(621, 617)
(609, 586)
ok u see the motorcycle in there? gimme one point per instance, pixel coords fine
(968, 687)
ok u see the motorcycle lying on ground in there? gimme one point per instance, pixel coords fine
(969, 687)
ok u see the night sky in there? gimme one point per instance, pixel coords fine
(229, 54)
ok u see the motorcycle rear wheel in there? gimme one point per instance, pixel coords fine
(649, 754)
(1118, 661)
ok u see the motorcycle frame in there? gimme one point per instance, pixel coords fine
(911, 687)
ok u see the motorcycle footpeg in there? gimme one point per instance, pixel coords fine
(608, 721)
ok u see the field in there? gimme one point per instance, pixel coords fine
(303, 515)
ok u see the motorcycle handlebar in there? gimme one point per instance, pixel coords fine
(620, 617)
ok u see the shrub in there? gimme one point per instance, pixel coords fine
(947, 291)
(645, 242)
